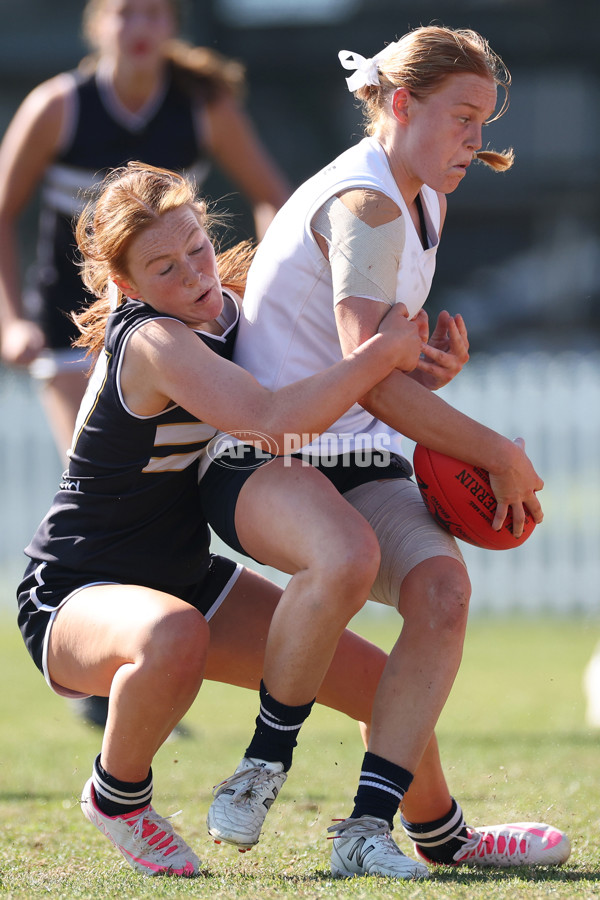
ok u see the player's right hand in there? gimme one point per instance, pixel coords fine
(408, 335)
(22, 341)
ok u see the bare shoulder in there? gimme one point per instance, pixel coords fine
(33, 137)
(48, 99)
(153, 351)
(160, 333)
(372, 207)
(158, 346)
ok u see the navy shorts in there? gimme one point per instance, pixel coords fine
(222, 482)
(46, 586)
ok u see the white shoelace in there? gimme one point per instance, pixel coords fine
(472, 844)
(160, 822)
(251, 779)
(368, 826)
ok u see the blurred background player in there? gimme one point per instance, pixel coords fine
(142, 94)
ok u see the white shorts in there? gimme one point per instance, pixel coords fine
(406, 532)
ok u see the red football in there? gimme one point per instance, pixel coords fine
(459, 497)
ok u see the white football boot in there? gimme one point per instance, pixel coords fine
(364, 846)
(145, 839)
(514, 844)
(242, 802)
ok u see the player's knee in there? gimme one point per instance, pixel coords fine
(454, 608)
(352, 562)
(179, 642)
(436, 597)
(450, 597)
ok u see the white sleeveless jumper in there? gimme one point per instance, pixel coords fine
(287, 328)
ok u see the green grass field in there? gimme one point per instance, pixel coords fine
(513, 741)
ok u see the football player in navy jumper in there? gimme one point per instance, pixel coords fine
(121, 585)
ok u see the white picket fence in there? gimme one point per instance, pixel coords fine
(554, 403)
(551, 401)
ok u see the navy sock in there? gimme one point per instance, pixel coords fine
(277, 727)
(116, 798)
(381, 787)
(439, 840)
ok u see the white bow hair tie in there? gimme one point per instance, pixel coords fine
(367, 71)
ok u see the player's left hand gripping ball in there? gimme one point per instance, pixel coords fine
(459, 497)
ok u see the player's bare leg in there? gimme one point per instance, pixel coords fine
(422, 665)
(147, 649)
(239, 632)
(333, 556)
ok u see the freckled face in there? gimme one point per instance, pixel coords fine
(171, 265)
(445, 129)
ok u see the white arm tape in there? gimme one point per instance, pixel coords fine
(364, 261)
